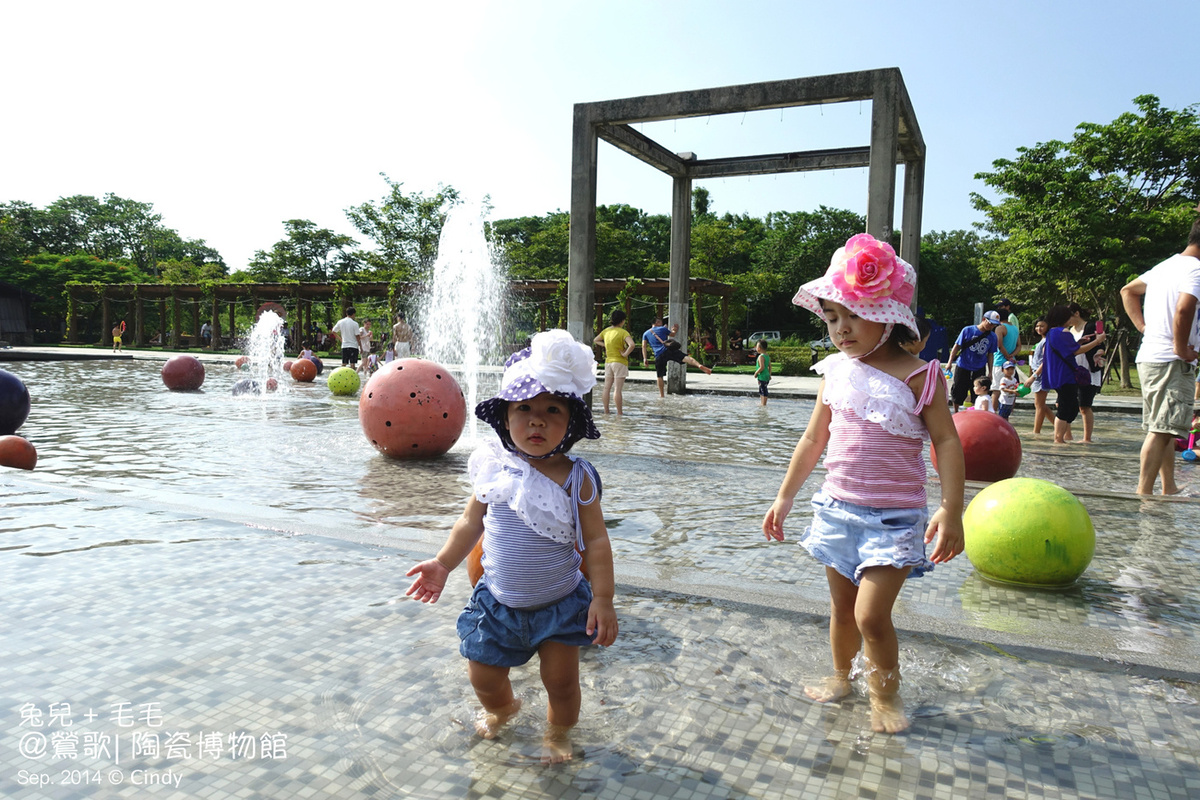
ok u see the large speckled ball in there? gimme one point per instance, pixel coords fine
(344, 381)
(412, 408)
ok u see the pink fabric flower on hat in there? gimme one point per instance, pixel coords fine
(867, 269)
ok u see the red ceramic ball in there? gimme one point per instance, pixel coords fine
(287, 366)
(182, 373)
(303, 370)
(17, 452)
(242, 361)
(991, 446)
(412, 408)
(272, 384)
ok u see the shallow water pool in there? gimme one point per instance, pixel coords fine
(214, 585)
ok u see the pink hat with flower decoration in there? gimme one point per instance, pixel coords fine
(867, 277)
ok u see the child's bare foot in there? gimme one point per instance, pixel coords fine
(887, 709)
(887, 714)
(829, 690)
(556, 744)
(488, 723)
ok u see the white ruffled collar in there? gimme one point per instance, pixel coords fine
(872, 395)
(500, 476)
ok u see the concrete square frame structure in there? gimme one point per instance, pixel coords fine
(895, 138)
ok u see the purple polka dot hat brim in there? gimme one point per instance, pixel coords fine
(494, 411)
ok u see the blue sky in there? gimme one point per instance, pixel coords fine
(233, 116)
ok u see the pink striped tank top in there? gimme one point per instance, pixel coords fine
(876, 451)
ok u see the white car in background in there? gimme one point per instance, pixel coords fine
(770, 337)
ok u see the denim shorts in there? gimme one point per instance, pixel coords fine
(499, 636)
(850, 538)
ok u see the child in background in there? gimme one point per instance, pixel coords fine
(1008, 389)
(870, 514)
(306, 350)
(1037, 365)
(763, 370)
(915, 347)
(536, 509)
(983, 395)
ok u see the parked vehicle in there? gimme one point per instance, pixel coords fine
(772, 338)
(822, 344)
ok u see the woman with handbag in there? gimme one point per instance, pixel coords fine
(1061, 373)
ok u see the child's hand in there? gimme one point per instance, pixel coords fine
(772, 525)
(948, 529)
(602, 621)
(431, 580)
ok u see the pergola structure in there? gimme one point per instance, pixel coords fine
(895, 138)
(299, 297)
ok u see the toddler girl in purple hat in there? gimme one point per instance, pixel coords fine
(537, 509)
(876, 407)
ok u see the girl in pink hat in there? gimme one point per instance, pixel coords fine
(875, 409)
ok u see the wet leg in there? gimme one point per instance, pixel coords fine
(873, 613)
(560, 676)
(844, 638)
(494, 690)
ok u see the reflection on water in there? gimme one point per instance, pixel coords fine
(176, 564)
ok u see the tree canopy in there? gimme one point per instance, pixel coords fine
(1079, 219)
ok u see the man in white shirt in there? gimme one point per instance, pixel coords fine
(346, 330)
(1166, 360)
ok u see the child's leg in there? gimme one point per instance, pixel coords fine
(608, 382)
(873, 612)
(619, 385)
(844, 638)
(560, 676)
(494, 690)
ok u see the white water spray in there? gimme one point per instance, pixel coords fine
(460, 319)
(265, 349)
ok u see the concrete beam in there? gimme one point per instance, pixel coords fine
(644, 148)
(838, 88)
(807, 161)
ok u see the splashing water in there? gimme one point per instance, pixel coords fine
(461, 316)
(265, 349)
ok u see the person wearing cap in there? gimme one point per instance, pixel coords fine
(1008, 340)
(536, 509)
(876, 408)
(1008, 389)
(1166, 360)
(974, 348)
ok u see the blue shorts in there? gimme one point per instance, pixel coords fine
(499, 636)
(762, 388)
(851, 538)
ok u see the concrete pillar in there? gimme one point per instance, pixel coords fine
(681, 257)
(105, 321)
(910, 222)
(881, 175)
(176, 322)
(139, 321)
(215, 322)
(581, 269)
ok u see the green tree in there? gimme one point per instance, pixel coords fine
(405, 228)
(1079, 219)
(949, 283)
(307, 253)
